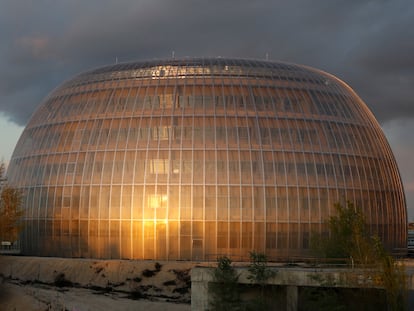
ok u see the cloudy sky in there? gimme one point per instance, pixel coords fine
(367, 43)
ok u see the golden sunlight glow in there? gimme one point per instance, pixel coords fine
(157, 200)
(181, 159)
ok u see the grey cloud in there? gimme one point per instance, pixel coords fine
(366, 43)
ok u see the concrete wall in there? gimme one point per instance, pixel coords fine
(291, 279)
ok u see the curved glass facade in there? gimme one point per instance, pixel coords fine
(187, 159)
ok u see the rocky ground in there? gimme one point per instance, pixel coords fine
(33, 283)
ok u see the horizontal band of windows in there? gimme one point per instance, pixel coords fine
(314, 103)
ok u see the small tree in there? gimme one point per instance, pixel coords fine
(10, 210)
(349, 238)
(260, 273)
(393, 278)
(224, 289)
(259, 270)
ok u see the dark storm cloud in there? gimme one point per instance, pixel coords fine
(369, 44)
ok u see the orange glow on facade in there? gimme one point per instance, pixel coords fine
(187, 159)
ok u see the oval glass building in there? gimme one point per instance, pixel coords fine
(193, 158)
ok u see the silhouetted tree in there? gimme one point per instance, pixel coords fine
(10, 209)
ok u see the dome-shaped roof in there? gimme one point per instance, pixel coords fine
(190, 158)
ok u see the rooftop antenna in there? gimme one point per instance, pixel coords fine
(173, 54)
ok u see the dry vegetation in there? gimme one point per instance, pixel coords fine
(31, 283)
